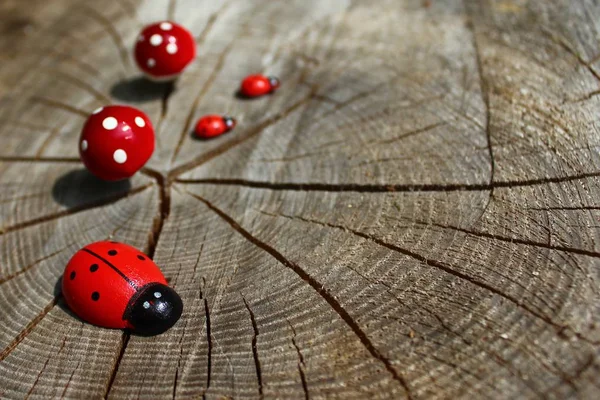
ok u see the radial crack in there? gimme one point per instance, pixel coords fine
(301, 364)
(209, 155)
(432, 263)
(318, 287)
(124, 342)
(72, 210)
(377, 188)
(28, 328)
(207, 85)
(57, 104)
(255, 349)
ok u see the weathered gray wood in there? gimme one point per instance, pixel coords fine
(414, 214)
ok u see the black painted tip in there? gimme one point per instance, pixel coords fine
(275, 83)
(230, 122)
(154, 309)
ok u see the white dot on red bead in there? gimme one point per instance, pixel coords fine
(156, 39)
(120, 156)
(151, 62)
(97, 110)
(139, 121)
(109, 123)
(84, 145)
(171, 48)
(166, 26)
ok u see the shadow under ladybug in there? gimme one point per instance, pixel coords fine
(141, 90)
(79, 187)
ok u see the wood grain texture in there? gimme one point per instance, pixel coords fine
(414, 214)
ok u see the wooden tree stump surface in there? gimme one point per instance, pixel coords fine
(414, 214)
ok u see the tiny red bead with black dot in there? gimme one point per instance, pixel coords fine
(258, 85)
(210, 126)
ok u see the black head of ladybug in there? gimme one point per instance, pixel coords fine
(229, 122)
(154, 309)
(274, 83)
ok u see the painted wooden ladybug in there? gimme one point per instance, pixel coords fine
(258, 85)
(213, 125)
(114, 285)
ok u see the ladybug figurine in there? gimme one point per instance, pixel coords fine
(114, 285)
(213, 125)
(258, 85)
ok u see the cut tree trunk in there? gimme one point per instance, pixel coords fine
(414, 214)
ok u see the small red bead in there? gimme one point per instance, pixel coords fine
(213, 125)
(116, 141)
(258, 85)
(164, 49)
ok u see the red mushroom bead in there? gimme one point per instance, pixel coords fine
(164, 49)
(258, 85)
(116, 141)
(213, 125)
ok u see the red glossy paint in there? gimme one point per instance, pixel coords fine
(114, 285)
(116, 141)
(213, 125)
(258, 85)
(164, 49)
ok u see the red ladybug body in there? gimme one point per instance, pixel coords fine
(258, 85)
(114, 285)
(213, 125)
(116, 141)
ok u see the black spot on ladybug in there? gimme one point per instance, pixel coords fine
(94, 268)
(72, 276)
(141, 257)
(95, 296)
(112, 252)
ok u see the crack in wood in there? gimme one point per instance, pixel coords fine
(255, 349)
(486, 100)
(55, 131)
(176, 378)
(435, 264)
(383, 188)
(210, 22)
(565, 46)
(98, 95)
(73, 210)
(6, 278)
(164, 209)
(62, 396)
(29, 328)
(57, 104)
(110, 28)
(124, 342)
(209, 155)
(209, 340)
(207, 85)
(318, 287)
(301, 364)
(37, 379)
(208, 332)
(40, 159)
